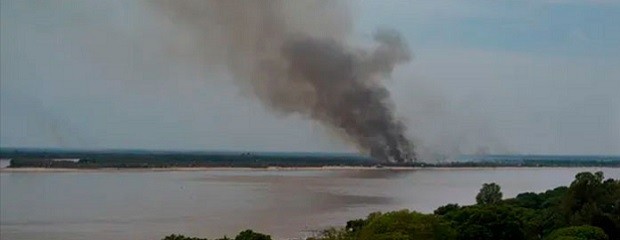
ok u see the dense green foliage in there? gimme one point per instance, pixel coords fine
(488, 222)
(490, 193)
(399, 225)
(244, 235)
(588, 209)
(250, 235)
(578, 233)
(402, 225)
(181, 237)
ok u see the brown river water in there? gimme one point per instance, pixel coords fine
(121, 204)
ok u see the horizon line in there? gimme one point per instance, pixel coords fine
(5, 149)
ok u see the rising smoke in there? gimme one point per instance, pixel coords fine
(295, 57)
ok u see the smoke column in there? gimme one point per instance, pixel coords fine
(294, 57)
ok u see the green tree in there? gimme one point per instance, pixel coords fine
(335, 234)
(181, 237)
(355, 225)
(539, 211)
(251, 235)
(488, 222)
(585, 190)
(592, 201)
(445, 209)
(553, 198)
(578, 233)
(490, 193)
(405, 225)
(528, 200)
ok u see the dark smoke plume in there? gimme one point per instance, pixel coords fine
(294, 56)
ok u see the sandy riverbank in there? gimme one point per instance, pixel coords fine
(197, 169)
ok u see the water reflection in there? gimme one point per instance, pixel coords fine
(375, 173)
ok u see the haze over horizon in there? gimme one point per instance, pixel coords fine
(531, 77)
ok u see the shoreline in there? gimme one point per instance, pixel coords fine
(328, 168)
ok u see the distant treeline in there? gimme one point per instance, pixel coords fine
(264, 162)
(166, 159)
(588, 209)
(41, 158)
(212, 161)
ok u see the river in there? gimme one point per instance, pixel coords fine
(123, 204)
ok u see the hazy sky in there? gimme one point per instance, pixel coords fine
(536, 77)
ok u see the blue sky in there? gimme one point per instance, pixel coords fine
(500, 76)
(574, 28)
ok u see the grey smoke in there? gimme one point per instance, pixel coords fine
(295, 56)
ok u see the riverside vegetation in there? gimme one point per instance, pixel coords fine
(588, 209)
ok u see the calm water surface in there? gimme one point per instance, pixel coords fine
(284, 203)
